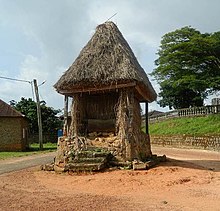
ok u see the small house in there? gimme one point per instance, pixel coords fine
(107, 85)
(13, 129)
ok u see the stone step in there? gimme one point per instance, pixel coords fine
(76, 167)
(92, 154)
(90, 160)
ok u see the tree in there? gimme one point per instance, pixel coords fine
(188, 67)
(50, 122)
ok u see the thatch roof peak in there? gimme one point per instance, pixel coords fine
(107, 59)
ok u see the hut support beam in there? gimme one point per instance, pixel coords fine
(146, 118)
(75, 121)
(75, 115)
(65, 129)
(97, 89)
(129, 101)
(130, 106)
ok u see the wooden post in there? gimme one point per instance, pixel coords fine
(75, 115)
(146, 117)
(40, 133)
(65, 130)
(130, 144)
(76, 119)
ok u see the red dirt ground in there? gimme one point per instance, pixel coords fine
(174, 185)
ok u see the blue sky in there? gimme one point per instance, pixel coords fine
(41, 39)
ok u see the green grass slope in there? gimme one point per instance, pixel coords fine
(207, 125)
(34, 149)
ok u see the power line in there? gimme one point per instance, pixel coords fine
(14, 79)
(20, 80)
(34, 82)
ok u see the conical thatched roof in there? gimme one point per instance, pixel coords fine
(106, 61)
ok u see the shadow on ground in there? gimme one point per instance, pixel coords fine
(212, 165)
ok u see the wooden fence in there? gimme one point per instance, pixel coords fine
(186, 112)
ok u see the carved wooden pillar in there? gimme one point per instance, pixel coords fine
(65, 126)
(130, 133)
(75, 115)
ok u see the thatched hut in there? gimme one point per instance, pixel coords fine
(107, 85)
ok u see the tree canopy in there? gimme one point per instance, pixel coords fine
(50, 122)
(188, 67)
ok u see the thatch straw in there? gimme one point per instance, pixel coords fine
(107, 59)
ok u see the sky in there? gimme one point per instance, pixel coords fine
(41, 39)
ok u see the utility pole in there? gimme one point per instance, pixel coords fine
(38, 115)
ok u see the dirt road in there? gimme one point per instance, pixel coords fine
(204, 158)
(15, 164)
(180, 184)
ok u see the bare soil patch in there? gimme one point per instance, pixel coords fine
(174, 185)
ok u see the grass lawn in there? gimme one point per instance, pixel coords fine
(207, 125)
(34, 149)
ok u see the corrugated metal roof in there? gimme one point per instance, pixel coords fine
(7, 111)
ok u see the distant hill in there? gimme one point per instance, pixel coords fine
(206, 125)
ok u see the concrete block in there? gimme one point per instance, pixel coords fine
(139, 166)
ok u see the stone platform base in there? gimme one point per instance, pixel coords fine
(90, 161)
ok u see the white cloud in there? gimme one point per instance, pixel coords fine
(52, 33)
(32, 67)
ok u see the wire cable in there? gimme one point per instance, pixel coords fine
(14, 79)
